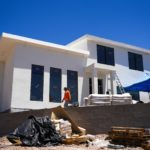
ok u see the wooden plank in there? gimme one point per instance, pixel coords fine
(75, 140)
(127, 128)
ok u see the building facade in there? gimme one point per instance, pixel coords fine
(33, 73)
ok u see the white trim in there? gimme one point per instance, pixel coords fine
(110, 42)
(100, 67)
(43, 43)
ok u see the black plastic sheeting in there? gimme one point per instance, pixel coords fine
(36, 132)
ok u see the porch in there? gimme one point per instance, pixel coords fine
(102, 78)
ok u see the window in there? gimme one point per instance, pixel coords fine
(55, 85)
(118, 90)
(72, 84)
(135, 61)
(90, 85)
(105, 55)
(37, 77)
(135, 95)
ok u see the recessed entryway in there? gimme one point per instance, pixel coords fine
(100, 86)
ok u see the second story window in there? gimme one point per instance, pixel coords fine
(135, 61)
(105, 55)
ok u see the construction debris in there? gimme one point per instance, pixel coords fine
(107, 99)
(63, 127)
(35, 132)
(43, 131)
(98, 143)
(6, 145)
(113, 146)
(60, 113)
(128, 136)
(76, 139)
(66, 127)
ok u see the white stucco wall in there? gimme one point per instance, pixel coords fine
(25, 56)
(7, 82)
(145, 97)
(126, 75)
(1, 81)
(146, 62)
(80, 45)
(17, 72)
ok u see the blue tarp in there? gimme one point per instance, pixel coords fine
(141, 86)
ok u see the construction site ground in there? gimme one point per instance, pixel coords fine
(6, 145)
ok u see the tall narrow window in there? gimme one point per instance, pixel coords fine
(105, 55)
(101, 54)
(132, 64)
(37, 78)
(90, 85)
(139, 62)
(72, 84)
(55, 85)
(110, 56)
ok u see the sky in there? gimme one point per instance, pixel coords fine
(62, 21)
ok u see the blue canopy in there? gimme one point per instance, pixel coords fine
(141, 86)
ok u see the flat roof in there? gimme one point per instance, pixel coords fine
(20, 39)
(109, 42)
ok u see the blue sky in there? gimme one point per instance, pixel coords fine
(61, 21)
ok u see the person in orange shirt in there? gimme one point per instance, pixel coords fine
(67, 97)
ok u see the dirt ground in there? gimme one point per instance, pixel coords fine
(6, 145)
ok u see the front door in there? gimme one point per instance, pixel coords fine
(100, 86)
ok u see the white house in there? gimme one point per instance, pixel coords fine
(33, 73)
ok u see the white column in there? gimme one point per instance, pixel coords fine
(105, 84)
(113, 83)
(80, 86)
(94, 81)
(63, 82)
(46, 85)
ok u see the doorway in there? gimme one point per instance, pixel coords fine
(100, 86)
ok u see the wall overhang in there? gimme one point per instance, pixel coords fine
(8, 41)
(100, 68)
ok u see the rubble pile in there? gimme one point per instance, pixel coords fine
(63, 127)
(35, 131)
